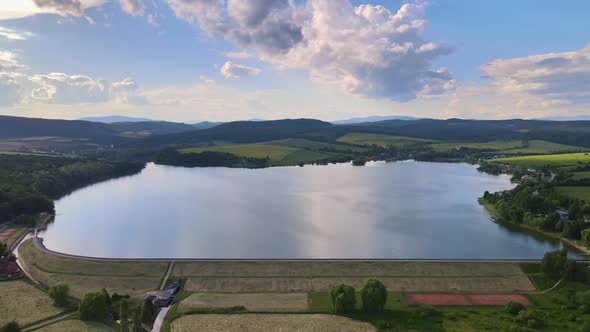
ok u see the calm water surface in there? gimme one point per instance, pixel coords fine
(383, 210)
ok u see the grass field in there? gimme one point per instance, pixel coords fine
(83, 275)
(268, 322)
(278, 154)
(76, 325)
(24, 303)
(380, 140)
(511, 147)
(315, 145)
(582, 193)
(581, 175)
(266, 302)
(552, 160)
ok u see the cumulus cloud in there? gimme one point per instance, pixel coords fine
(11, 89)
(365, 50)
(14, 34)
(62, 7)
(133, 7)
(234, 70)
(62, 88)
(9, 62)
(557, 78)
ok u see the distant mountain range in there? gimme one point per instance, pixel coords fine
(567, 118)
(114, 118)
(376, 118)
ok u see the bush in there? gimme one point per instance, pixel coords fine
(93, 307)
(10, 327)
(583, 300)
(374, 296)
(585, 327)
(343, 298)
(59, 294)
(531, 318)
(514, 308)
(426, 311)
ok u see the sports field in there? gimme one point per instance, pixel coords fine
(465, 299)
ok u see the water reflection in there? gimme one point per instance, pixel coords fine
(384, 210)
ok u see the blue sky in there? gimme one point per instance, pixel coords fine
(328, 59)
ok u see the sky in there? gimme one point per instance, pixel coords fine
(223, 60)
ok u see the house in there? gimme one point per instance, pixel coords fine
(563, 215)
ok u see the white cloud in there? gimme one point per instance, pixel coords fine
(9, 63)
(133, 7)
(237, 55)
(14, 35)
(60, 88)
(553, 78)
(234, 70)
(10, 89)
(365, 50)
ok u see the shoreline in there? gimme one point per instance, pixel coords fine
(578, 249)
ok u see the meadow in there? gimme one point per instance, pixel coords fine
(553, 160)
(24, 303)
(582, 193)
(278, 155)
(380, 140)
(511, 147)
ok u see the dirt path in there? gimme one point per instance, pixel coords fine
(51, 321)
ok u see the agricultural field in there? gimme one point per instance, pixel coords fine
(581, 175)
(511, 147)
(380, 140)
(269, 322)
(76, 325)
(266, 302)
(301, 143)
(552, 160)
(24, 303)
(582, 193)
(123, 277)
(278, 154)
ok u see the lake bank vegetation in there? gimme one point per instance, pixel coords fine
(29, 183)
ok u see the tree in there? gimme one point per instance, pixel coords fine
(93, 307)
(514, 308)
(575, 210)
(10, 327)
(136, 320)
(554, 263)
(373, 296)
(148, 312)
(59, 294)
(124, 315)
(550, 222)
(343, 298)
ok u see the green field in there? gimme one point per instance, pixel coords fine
(277, 154)
(552, 160)
(24, 303)
(511, 147)
(582, 193)
(380, 140)
(315, 145)
(581, 175)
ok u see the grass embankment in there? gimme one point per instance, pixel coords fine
(582, 193)
(24, 303)
(123, 277)
(380, 140)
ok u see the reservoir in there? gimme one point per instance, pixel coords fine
(401, 210)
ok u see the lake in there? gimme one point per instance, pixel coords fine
(407, 209)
